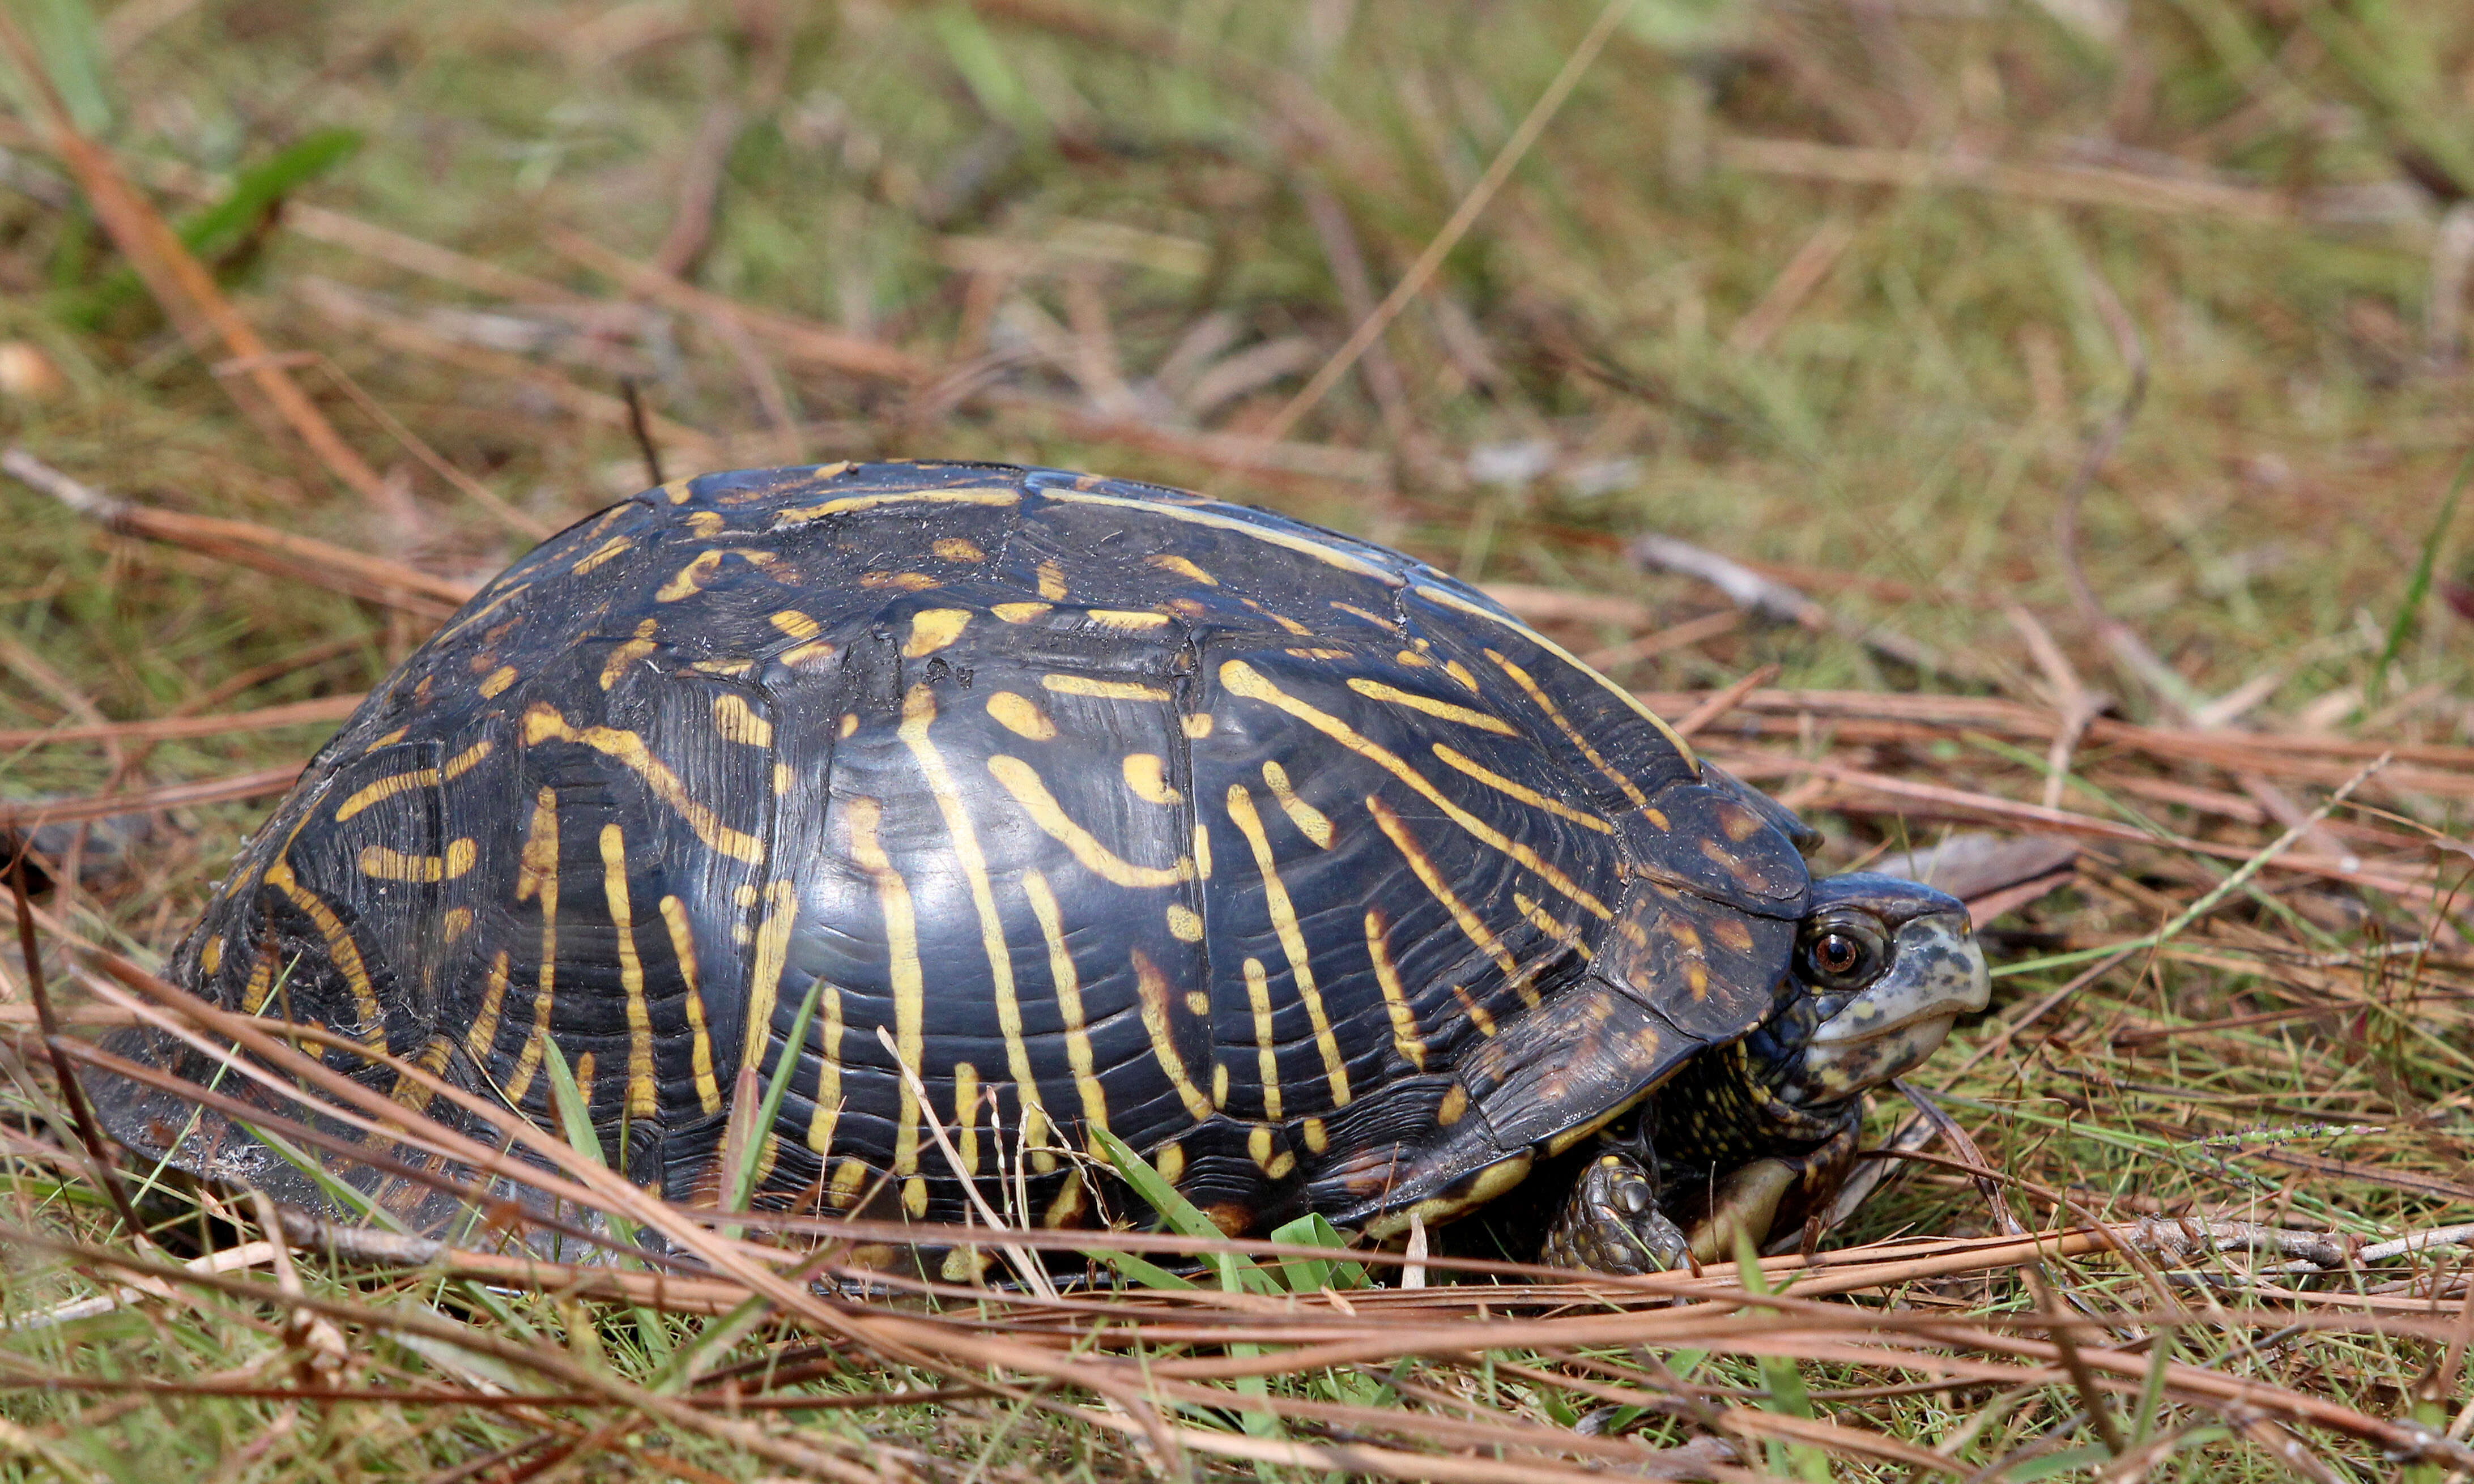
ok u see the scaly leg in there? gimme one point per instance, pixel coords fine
(1613, 1224)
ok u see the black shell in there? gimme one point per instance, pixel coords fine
(1318, 876)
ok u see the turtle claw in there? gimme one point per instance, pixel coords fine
(1611, 1224)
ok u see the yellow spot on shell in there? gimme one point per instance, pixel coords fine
(899, 581)
(1317, 1137)
(1019, 613)
(1273, 1163)
(796, 625)
(1133, 618)
(387, 741)
(705, 525)
(739, 723)
(847, 1181)
(1183, 569)
(498, 681)
(1183, 925)
(1051, 582)
(1455, 1103)
(932, 629)
(849, 724)
(1170, 1161)
(1147, 776)
(959, 548)
(211, 958)
(1021, 715)
(1198, 726)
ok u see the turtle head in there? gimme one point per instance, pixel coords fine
(1882, 967)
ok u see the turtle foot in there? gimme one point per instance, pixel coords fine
(1613, 1224)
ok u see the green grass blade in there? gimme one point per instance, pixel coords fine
(2419, 588)
(743, 1179)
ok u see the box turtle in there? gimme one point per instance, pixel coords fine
(1057, 804)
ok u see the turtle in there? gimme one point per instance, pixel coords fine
(1001, 808)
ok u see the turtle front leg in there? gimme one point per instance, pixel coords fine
(1611, 1224)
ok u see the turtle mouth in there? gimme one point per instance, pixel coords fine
(1935, 974)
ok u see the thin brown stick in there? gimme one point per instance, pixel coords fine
(1474, 204)
(72, 1092)
(172, 274)
(325, 708)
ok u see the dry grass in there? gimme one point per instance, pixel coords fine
(1849, 290)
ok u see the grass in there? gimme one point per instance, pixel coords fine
(1844, 290)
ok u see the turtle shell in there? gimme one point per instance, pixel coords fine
(1056, 803)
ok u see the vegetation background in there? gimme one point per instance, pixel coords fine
(2054, 412)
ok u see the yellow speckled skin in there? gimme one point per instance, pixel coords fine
(1306, 869)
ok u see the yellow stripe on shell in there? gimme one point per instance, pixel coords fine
(1501, 621)
(544, 724)
(1023, 781)
(345, 952)
(674, 919)
(380, 863)
(644, 1100)
(1521, 792)
(849, 504)
(739, 723)
(1471, 925)
(918, 715)
(1539, 698)
(393, 784)
(483, 1033)
(1406, 1037)
(1293, 938)
(1183, 569)
(1311, 823)
(1068, 985)
(1346, 561)
(1447, 710)
(1242, 679)
(902, 969)
(1102, 690)
(1267, 1060)
(628, 653)
(691, 579)
(612, 547)
(1151, 987)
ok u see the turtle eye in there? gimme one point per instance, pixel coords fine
(1840, 954)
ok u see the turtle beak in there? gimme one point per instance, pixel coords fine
(1935, 974)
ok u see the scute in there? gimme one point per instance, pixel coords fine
(1301, 867)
